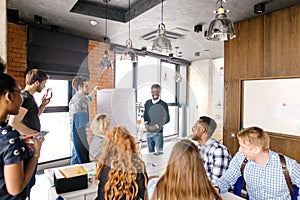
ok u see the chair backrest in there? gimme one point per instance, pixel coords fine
(81, 145)
(296, 192)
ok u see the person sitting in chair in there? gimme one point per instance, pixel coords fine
(263, 172)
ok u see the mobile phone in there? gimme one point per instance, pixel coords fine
(40, 134)
(44, 132)
(49, 93)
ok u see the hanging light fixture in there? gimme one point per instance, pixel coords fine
(128, 53)
(221, 28)
(162, 43)
(105, 62)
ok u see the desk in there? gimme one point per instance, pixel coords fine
(86, 194)
(155, 165)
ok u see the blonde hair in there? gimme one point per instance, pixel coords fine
(255, 136)
(121, 154)
(185, 177)
(100, 124)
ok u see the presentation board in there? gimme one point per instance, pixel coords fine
(273, 105)
(120, 105)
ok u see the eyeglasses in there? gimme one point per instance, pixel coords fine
(196, 125)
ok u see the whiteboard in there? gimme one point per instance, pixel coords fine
(119, 105)
(273, 105)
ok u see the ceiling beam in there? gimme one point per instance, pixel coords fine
(87, 8)
(113, 13)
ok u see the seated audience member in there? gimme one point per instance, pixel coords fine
(99, 126)
(184, 178)
(216, 156)
(121, 173)
(263, 173)
(18, 159)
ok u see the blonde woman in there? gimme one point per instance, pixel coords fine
(121, 172)
(184, 178)
(99, 126)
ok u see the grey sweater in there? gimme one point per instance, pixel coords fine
(96, 145)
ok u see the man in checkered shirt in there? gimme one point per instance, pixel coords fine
(216, 156)
(263, 173)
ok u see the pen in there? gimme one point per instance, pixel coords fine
(152, 164)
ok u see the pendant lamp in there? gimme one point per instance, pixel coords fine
(162, 43)
(105, 62)
(221, 28)
(128, 53)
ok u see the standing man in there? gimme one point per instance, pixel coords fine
(216, 156)
(27, 121)
(79, 103)
(263, 173)
(156, 115)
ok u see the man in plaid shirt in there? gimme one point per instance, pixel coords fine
(216, 156)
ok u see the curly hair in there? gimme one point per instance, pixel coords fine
(185, 176)
(121, 154)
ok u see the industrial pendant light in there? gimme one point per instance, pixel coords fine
(128, 53)
(105, 62)
(162, 43)
(221, 28)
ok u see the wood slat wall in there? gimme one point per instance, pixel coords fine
(267, 46)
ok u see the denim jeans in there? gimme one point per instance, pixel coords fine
(155, 139)
(74, 159)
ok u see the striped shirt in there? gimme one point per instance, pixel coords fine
(262, 181)
(216, 158)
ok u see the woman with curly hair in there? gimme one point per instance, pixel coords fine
(121, 172)
(184, 178)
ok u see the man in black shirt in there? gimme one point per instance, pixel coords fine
(156, 115)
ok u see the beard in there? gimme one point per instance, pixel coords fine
(155, 97)
(194, 138)
(38, 89)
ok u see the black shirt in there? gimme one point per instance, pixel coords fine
(31, 118)
(103, 178)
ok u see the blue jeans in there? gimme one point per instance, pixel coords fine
(74, 159)
(155, 139)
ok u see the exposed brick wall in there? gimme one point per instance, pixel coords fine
(16, 52)
(104, 78)
(16, 61)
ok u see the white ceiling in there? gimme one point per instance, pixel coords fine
(178, 15)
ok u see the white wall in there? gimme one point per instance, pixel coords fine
(206, 91)
(3, 29)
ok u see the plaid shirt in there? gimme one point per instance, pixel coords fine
(216, 158)
(263, 182)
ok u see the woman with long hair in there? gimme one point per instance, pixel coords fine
(121, 172)
(184, 178)
(98, 129)
(18, 159)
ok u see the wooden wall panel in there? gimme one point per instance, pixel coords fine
(282, 39)
(267, 47)
(230, 140)
(285, 144)
(232, 97)
(246, 52)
